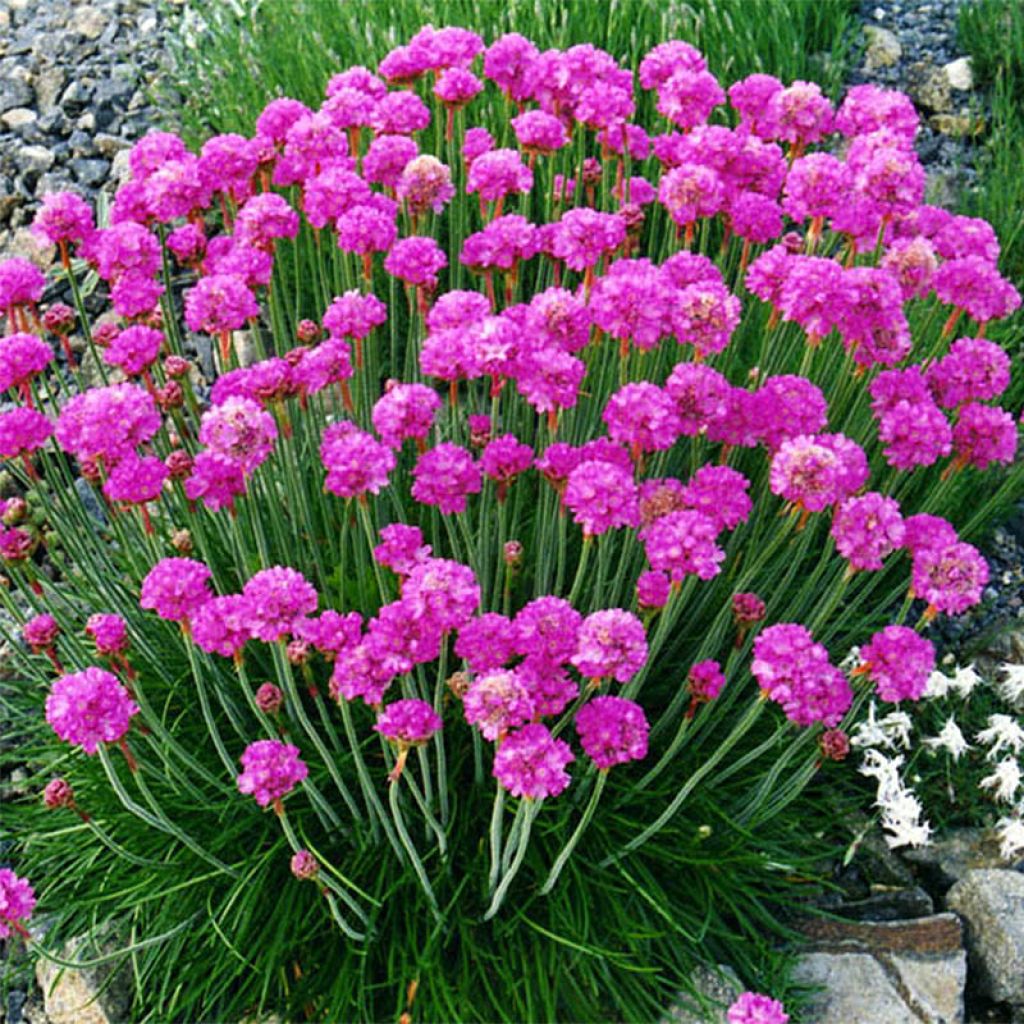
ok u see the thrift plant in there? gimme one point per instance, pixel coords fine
(480, 535)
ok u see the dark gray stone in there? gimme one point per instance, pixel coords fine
(15, 93)
(90, 172)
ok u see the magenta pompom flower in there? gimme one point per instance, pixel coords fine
(270, 770)
(304, 865)
(88, 708)
(441, 592)
(705, 681)
(64, 217)
(22, 431)
(239, 429)
(402, 548)
(445, 476)
(218, 303)
(176, 588)
(498, 173)
(221, 625)
(682, 543)
(612, 731)
(109, 633)
(487, 642)
(984, 434)
(276, 598)
(355, 462)
(642, 416)
(754, 1008)
(899, 662)
(408, 722)
(531, 763)
(601, 497)
(107, 422)
(498, 701)
(868, 528)
(611, 644)
(948, 578)
(22, 356)
(416, 261)
(40, 632)
(17, 901)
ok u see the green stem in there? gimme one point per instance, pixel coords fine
(588, 813)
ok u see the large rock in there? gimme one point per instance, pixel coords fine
(948, 859)
(95, 995)
(929, 87)
(959, 74)
(992, 904)
(883, 48)
(713, 992)
(900, 972)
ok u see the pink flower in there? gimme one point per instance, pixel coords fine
(688, 96)
(720, 493)
(17, 901)
(330, 632)
(611, 644)
(175, 189)
(705, 681)
(972, 369)
(531, 763)
(497, 702)
(691, 191)
(504, 458)
(355, 462)
(239, 430)
(354, 315)
(444, 476)
(399, 113)
(136, 480)
(21, 283)
(705, 315)
(747, 608)
(366, 229)
(700, 393)
(497, 173)
(58, 793)
(683, 542)
(176, 588)
(227, 163)
(973, 285)
(265, 218)
(755, 98)
(642, 416)
(804, 114)
(601, 496)
(22, 356)
(913, 262)
(507, 63)
(547, 629)
(806, 472)
(794, 671)
(329, 194)
(583, 236)
(914, 434)
(270, 770)
(425, 184)
(442, 592)
(487, 642)
(958, 236)
(868, 528)
(269, 699)
(631, 303)
(403, 548)
(814, 294)
(661, 62)
(612, 731)
(538, 132)
(107, 422)
(949, 578)
(899, 662)
(455, 87)
(303, 865)
(652, 590)
(476, 142)
(40, 632)
(867, 109)
(408, 722)
(89, 707)
(277, 597)
(122, 249)
(63, 217)
(754, 217)
(134, 349)
(926, 531)
(221, 625)
(216, 479)
(754, 1008)
(984, 434)
(220, 302)
(405, 411)
(109, 632)
(416, 261)
(23, 430)
(789, 406)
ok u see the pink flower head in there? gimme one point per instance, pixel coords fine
(265, 218)
(926, 531)
(688, 96)
(449, 47)
(134, 295)
(271, 769)
(216, 479)
(442, 592)
(972, 369)
(899, 662)
(240, 430)
(221, 625)
(227, 163)
(444, 476)
(23, 430)
(425, 184)
(754, 1008)
(804, 114)
(497, 173)
(813, 294)
(63, 217)
(790, 406)
(867, 109)
(868, 528)
(683, 542)
(816, 186)
(402, 548)
(700, 393)
(538, 132)
(984, 434)
(135, 349)
(153, 150)
(387, 158)
(408, 723)
(874, 325)
(612, 731)
(973, 285)
(136, 480)
(652, 590)
(40, 632)
(277, 597)
(17, 901)
(691, 191)
(665, 59)
(404, 64)
(705, 315)
(176, 189)
(355, 462)
(122, 249)
(278, 116)
(455, 87)
(498, 701)
(303, 865)
(720, 493)
(611, 644)
(642, 416)
(22, 356)
(806, 472)
(58, 793)
(949, 579)
(269, 698)
(405, 411)
(531, 763)
(913, 262)
(631, 303)
(476, 142)
(109, 633)
(601, 496)
(914, 434)
(767, 275)
(89, 707)
(354, 315)
(313, 142)
(21, 284)
(958, 236)
(327, 195)
(220, 302)
(399, 113)
(416, 261)
(504, 458)
(487, 642)
(747, 608)
(705, 681)
(107, 422)
(176, 588)
(891, 387)
(507, 63)
(549, 379)
(547, 629)
(367, 228)
(330, 632)
(754, 217)
(794, 671)
(755, 99)
(457, 309)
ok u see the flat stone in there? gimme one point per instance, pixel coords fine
(714, 991)
(883, 48)
(91, 173)
(49, 85)
(947, 860)
(929, 88)
(35, 158)
(992, 904)
(939, 935)
(959, 74)
(957, 125)
(19, 117)
(854, 989)
(109, 145)
(89, 22)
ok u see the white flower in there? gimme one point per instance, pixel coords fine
(938, 685)
(907, 833)
(1005, 780)
(1011, 836)
(886, 772)
(950, 738)
(1003, 731)
(852, 660)
(1011, 687)
(964, 680)
(889, 732)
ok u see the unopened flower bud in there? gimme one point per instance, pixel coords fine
(269, 699)
(513, 553)
(634, 216)
(176, 366)
(15, 511)
(179, 463)
(835, 744)
(479, 430)
(58, 793)
(181, 541)
(59, 319)
(307, 332)
(304, 865)
(793, 241)
(298, 652)
(105, 333)
(458, 683)
(294, 356)
(591, 171)
(90, 470)
(747, 608)
(170, 396)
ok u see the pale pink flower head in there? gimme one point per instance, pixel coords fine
(530, 763)
(497, 173)
(271, 769)
(367, 228)
(277, 597)
(974, 285)
(176, 588)
(547, 629)
(804, 114)
(416, 261)
(304, 865)
(691, 191)
(269, 698)
(747, 608)
(816, 186)
(601, 496)
(445, 476)
(789, 406)
(867, 108)
(720, 493)
(705, 315)
(611, 644)
(973, 369)
(221, 626)
(899, 662)
(705, 681)
(240, 430)
(539, 132)
(612, 731)
(984, 434)
(63, 217)
(497, 701)
(108, 631)
(642, 416)
(584, 236)
(683, 543)
(220, 302)
(408, 723)
(17, 901)
(867, 529)
(806, 472)
(88, 708)
(949, 579)
(425, 184)
(754, 1008)
(913, 262)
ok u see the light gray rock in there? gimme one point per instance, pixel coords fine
(15, 93)
(35, 158)
(89, 22)
(951, 857)
(883, 48)
(854, 989)
(929, 88)
(715, 991)
(992, 903)
(19, 117)
(49, 85)
(959, 74)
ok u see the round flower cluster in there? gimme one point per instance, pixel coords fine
(88, 708)
(271, 769)
(612, 731)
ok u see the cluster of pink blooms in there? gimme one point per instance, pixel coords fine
(88, 708)
(755, 1008)
(271, 769)
(17, 901)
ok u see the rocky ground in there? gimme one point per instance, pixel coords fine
(77, 87)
